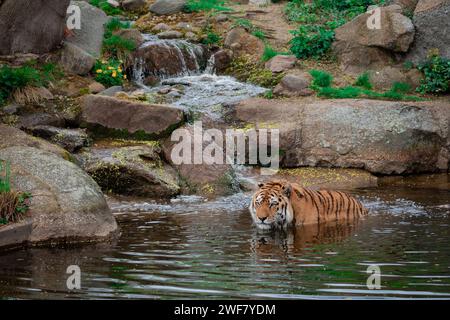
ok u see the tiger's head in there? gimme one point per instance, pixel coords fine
(271, 206)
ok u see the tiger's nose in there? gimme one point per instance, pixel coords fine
(263, 219)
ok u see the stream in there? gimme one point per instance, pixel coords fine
(192, 248)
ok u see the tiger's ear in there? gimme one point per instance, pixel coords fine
(260, 185)
(287, 190)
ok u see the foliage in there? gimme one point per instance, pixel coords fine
(311, 41)
(15, 79)
(106, 7)
(115, 24)
(270, 52)
(206, 5)
(259, 34)
(116, 46)
(318, 19)
(401, 87)
(13, 204)
(363, 81)
(109, 72)
(321, 79)
(437, 75)
(211, 38)
(244, 69)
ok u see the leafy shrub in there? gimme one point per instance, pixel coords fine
(311, 41)
(206, 5)
(321, 79)
(106, 7)
(437, 75)
(15, 79)
(363, 81)
(116, 46)
(13, 204)
(109, 72)
(211, 38)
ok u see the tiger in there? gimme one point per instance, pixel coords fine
(280, 204)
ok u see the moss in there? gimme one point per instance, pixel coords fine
(246, 70)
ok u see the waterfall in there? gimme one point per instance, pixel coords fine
(167, 58)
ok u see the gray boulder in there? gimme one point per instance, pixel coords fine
(134, 170)
(129, 118)
(133, 5)
(432, 23)
(76, 60)
(66, 205)
(69, 139)
(163, 7)
(90, 37)
(383, 137)
(35, 26)
(294, 85)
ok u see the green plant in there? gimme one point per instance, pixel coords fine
(363, 81)
(106, 7)
(17, 79)
(116, 46)
(437, 75)
(270, 52)
(206, 5)
(109, 72)
(321, 79)
(311, 41)
(247, 70)
(211, 38)
(244, 23)
(5, 185)
(115, 24)
(259, 34)
(401, 87)
(268, 94)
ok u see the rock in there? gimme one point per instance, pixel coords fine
(76, 60)
(359, 48)
(129, 118)
(32, 119)
(170, 58)
(17, 138)
(66, 204)
(96, 87)
(131, 34)
(382, 137)
(242, 42)
(408, 6)
(10, 109)
(204, 179)
(70, 139)
(222, 59)
(35, 26)
(221, 18)
(111, 91)
(384, 79)
(90, 37)
(160, 27)
(432, 23)
(281, 63)
(427, 5)
(133, 5)
(191, 36)
(135, 170)
(294, 85)
(166, 7)
(171, 34)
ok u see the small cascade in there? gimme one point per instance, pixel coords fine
(166, 58)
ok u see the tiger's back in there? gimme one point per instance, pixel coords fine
(321, 206)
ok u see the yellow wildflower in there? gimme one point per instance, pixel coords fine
(114, 74)
(99, 71)
(124, 76)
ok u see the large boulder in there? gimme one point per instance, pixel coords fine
(129, 118)
(204, 179)
(432, 22)
(131, 170)
(133, 5)
(83, 46)
(382, 137)
(408, 6)
(281, 63)
(171, 57)
(66, 204)
(35, 26)
(241, 42)
(70, 139)
(293, 85)
(359, 47)
(164, 7)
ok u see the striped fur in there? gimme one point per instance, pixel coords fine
(278, 204)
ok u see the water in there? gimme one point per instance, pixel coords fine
(190, 248)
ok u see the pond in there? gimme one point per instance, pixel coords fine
(192, 248)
